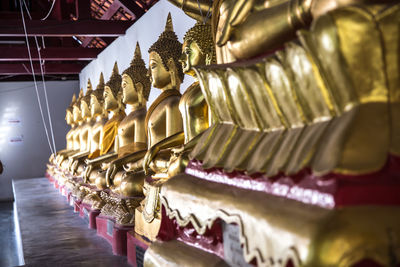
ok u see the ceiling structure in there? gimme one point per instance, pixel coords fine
(74, 33)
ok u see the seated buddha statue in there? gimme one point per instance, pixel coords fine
(69, 139)
(198, 49)
(163, 120)
(132, 141)
(99, 115)
(85, 132)
(108, 147)
(127, 190)
(77, 117)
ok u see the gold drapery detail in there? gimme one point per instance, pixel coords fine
(131, 148)
(108, 134)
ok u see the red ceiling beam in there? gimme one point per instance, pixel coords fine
(132, 7)
(111, 11)
(82, 9)
(59, 53)
(106, 16)
(49, 68)
(88, 28)
(16, 15)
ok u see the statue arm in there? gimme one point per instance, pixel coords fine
(80, 155)
(104, 158)
(192, 143)
(116, 164)
(191, 8)
(171, 141)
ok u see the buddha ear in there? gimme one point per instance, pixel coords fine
(208, 59)
(139, 90)
(119, 96)
(173, 72)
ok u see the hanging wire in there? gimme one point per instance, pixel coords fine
(34, 78)
(41, 63)
(51, 9)
(208, 15)
(208, 11)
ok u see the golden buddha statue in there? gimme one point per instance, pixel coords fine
(108, 147)
(85, 132)
(99, 116)
(318, 111)
(127, 190)
(198, 49)
(132, 138)
(249, 28)
(163, 120)
(69, 139)
(63, 162)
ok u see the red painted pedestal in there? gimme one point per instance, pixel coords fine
(89, 215)
(115, 234)
(77, 207)
(136, 247)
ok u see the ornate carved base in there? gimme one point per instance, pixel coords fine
(277, 229)
(92, 197)
(121, 209)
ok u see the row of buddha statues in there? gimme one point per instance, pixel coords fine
(283, 88)
(106, 161)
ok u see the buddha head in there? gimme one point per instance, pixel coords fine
(165, 70)
(198, 48)
(85, 102)
(112, 91)
(135, 83)
(96, 98)
(69, 118)
(77, 108)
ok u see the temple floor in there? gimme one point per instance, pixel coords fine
(52, 235)
(8, 241)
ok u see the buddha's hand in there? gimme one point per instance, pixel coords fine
(70, 161)
(74, 167)
(178, 150)
(111, 171)
(148, 158)
(105, 165)
(87, 172)
(61, 159)
(236, 14)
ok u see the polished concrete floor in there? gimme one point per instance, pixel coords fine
(52, 235)
(8, 233)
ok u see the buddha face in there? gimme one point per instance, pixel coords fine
(85, 111)
(95, 106)
(69, 117)
(191, 56)
(129, 90)
(77, 114)
(110, 103)
(159, 76)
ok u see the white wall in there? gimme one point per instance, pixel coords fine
(146, 30)
(20, 121)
